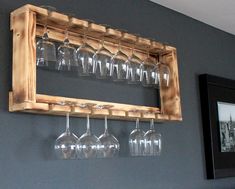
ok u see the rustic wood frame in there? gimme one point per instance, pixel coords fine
(27, 23)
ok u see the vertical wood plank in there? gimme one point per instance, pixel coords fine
(24, 56)
(170, 96)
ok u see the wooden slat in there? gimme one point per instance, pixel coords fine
(162, 117)
(149, 115)
(78, 110)
(100, 112)
(77, 40)
(59, 108)
(96, 28)
(54, 109)
(24, 56)
(114, 106)
(112, 33)
(129, 38)
(156, 47)
(170, 96)
(78, 24)
(134, 114)
(37, 107)
(145, 43)
(119, 113)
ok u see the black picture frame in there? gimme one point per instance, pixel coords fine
(215, 89)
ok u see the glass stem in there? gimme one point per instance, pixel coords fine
(102, 43)
(152, 124)
(85, 37)
(66, 39)
(148, 55)
(119, 45)
(105, 125)
(132, 51)
(88, 125)
(67, 123)
(45, 33)
(137, 124)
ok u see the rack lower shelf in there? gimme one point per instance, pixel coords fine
(55, 105)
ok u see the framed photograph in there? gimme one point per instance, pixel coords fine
(226, 115)
(218, 117)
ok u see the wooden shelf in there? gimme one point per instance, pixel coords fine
(27, 23)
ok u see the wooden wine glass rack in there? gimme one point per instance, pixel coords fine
(28, 22)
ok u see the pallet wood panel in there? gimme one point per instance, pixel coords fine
(24, 57)
(28, 22)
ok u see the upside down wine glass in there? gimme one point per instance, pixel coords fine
(102, 60)
(164, 72)
(109, 144)
(67, 56)
(134, 69)
(119, 64)
(65, 145)
(85, 55)
(149, 73)
(152, 141)
(88, 144)
(45, 49)
(136, 141)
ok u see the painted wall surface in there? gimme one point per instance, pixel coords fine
(27, 158)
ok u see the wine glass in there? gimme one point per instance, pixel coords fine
(88, 144)
(136, 141)
(134, 69)
(109, 144)
(119, 64)
(45, 49)
(85, 55)
(152, 141)
(102, 60)
(164, 72)
(67, 56)
(150, 73)
(65, 144)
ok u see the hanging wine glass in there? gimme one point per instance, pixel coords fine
(45, 49)
(156, 76)
(88, 144)
(67, 57)
(109, 144)
(134, 69)
(152, 141)
(102, 60)
(85, 55)
(164, 72)
(65, 145)
(136, 141)
(119, 64)
(150, 73)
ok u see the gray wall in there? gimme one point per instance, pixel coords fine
(26, 141)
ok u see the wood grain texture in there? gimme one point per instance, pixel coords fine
(27, 22)
(76, 38)
(112, 106)
(24, 56)
(112, 33)
(170, 96)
